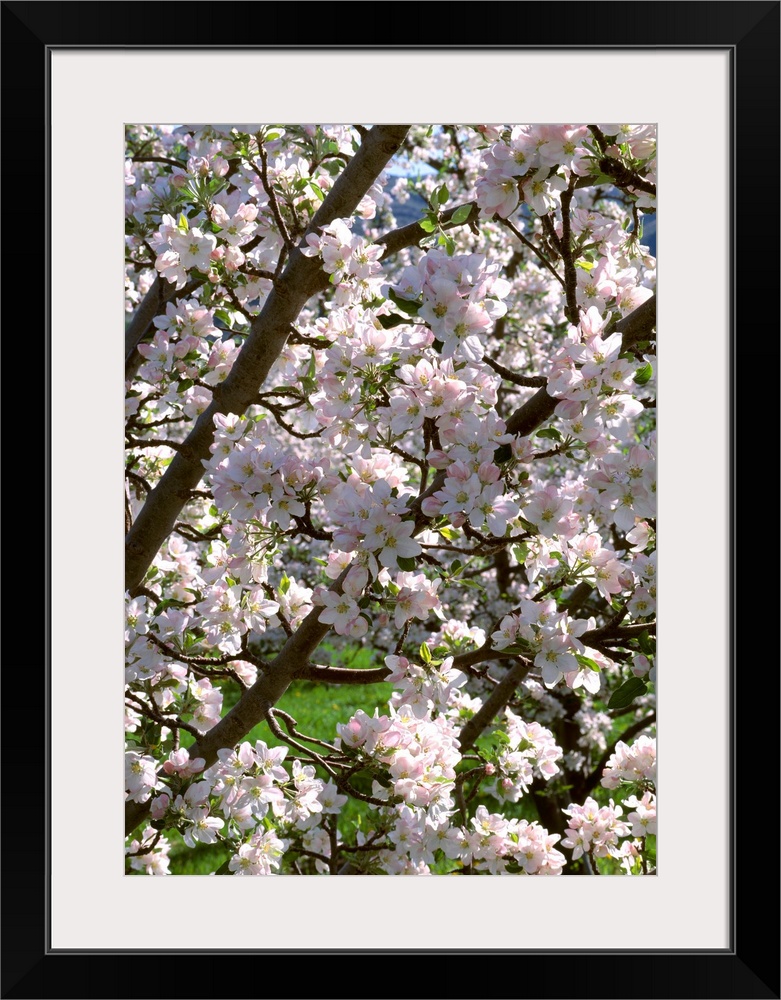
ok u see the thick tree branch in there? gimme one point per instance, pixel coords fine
(267, 338)
(638, 325)
(254, 704)
(143, 316)
(495, 702)
(340, 675)
(635, 327)
(412, 234)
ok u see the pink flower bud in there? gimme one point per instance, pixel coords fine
(431, 506)
(159, 806)
(437, 459)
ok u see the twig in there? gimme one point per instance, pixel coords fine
(636, 727)
(526, 242)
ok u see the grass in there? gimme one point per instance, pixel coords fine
(317, 708)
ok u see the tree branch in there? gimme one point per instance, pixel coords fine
(254, 704)
(340, 675)
(159, 295)
(627, 735)
(495, 702)
(411, 235)
(269, 332)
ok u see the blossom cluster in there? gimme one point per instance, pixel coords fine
(635, 763)
(375, 489)
(530, 752)
(347, 258)
(233, 800)
(461, 297)
(552, 637)
(595, 829)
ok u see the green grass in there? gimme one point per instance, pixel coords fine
(317, 708)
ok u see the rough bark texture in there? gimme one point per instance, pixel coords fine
(269, 333)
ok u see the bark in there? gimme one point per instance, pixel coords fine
(494, 704)
(635, 327)
(269, 332)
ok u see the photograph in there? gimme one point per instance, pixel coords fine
(391, 499)
(364, 538)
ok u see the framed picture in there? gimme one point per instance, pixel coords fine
(711, 84)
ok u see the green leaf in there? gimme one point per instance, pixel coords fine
(626, 694)
(449, 533)
(388, 322)
(644, 373)
(184, 225)
(551, 433)
(316, 191)
(461, 215)
(521, 552)
(441, 195)
(407, 565)
(224, 317)
(448, 243)
(521, 648)
(184, 384)
(408, 306)
(428, 225)
(425, 653)
(500, 737)
(214, 511)
(224, 869)
(528, 526)
(647, 644)
(284, 584)
(586, 661)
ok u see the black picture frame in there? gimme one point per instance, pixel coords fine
(749, 968)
